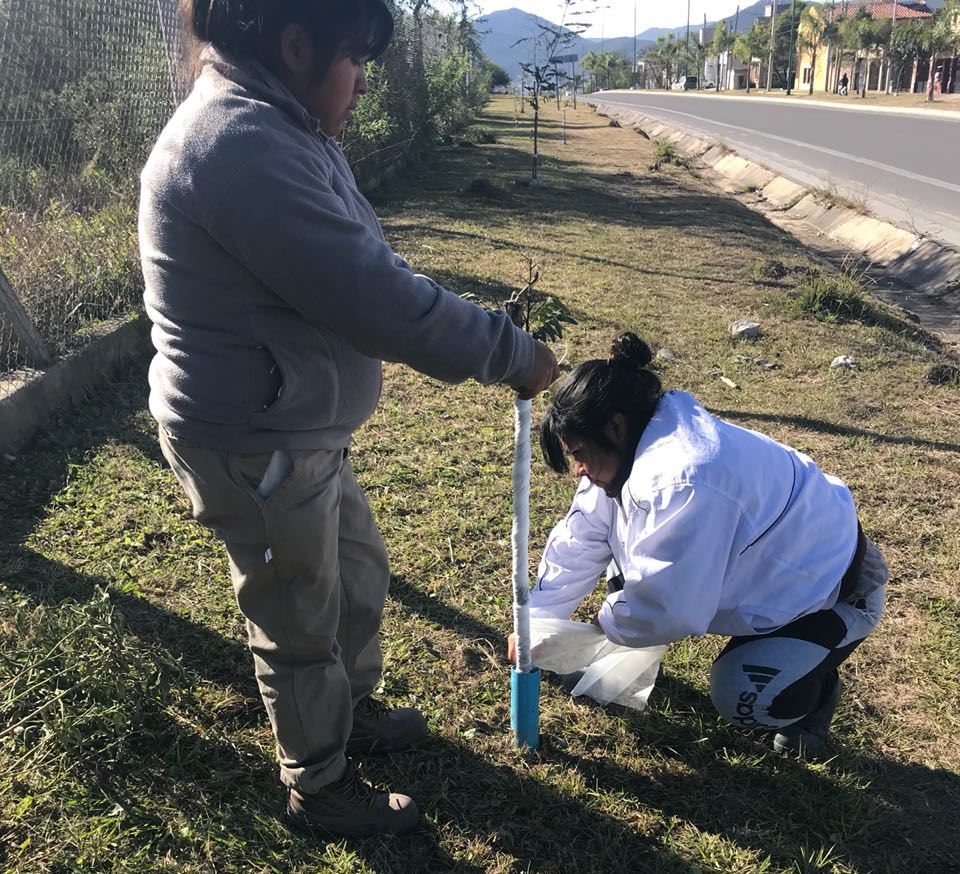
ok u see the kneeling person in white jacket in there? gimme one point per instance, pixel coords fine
(716, 530)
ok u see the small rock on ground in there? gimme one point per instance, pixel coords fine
(844, 361)
(666, 354)
(744, 329)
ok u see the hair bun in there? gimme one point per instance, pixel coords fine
(629, 349)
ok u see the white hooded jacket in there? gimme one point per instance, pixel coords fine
(718, 529)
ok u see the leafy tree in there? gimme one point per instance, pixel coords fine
(497, 77)
(906, 47)
(551, 40)
(863, 35)
(783, 60)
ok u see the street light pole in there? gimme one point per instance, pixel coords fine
(773, 43)
(790, 70)
(893, 24)
(633, 72)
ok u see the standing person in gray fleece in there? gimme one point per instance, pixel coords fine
(274, 299)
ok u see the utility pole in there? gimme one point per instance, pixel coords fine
(790, 70)
(703, 48)
(736, 30)
(686, 47)
(633, 72)
(893, 24)
(830, 59)
(773, 43)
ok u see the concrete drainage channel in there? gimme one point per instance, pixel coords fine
(925, 274)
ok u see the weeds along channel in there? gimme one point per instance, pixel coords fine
(132, 734)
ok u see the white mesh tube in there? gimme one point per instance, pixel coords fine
(520, 536)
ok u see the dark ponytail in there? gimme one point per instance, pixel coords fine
(588, 399)
(251, 28)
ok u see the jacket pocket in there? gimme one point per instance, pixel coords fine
(308, 393)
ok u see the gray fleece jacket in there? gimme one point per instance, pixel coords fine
(273, 294)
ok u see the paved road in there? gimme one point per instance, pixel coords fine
(907, 167)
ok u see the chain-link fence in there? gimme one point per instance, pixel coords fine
(85, 87)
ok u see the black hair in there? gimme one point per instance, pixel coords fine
(252, 28)
(588, 399)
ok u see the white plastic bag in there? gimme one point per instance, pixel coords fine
(612, 674)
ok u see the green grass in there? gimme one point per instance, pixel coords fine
(666, 153)
(158, 756)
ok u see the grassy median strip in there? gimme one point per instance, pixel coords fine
(131, 732)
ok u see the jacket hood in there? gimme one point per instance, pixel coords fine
(259, 81)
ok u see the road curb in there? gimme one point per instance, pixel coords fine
(930, 268)
(949, 114)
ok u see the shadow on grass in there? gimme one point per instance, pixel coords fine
(219, 789)
(729, 783)
(399, 230)
(641, 202)
(831, 428)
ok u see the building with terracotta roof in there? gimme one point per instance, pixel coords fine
(869, 68)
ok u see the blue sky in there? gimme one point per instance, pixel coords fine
(616, 19)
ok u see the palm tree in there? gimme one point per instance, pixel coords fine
(591, 63)
(722, 42)
(664, 54)
(754, 43)
(938, 39)
(815, 29)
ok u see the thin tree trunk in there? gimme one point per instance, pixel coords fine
(913, 76)
(813, 71)
(948, 85)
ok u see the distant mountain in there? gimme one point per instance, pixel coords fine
(507, 38)
(742, 22)
(651, 33)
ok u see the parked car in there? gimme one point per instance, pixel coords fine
(686, 83)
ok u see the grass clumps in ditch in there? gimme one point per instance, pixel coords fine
(839, 297)
(831, 196)
(667, 155)
(834, 298)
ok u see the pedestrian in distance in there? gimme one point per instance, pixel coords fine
(710, 529)
(274, 299)
(844, 84)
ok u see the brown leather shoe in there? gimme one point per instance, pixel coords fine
(352, 808)
(381, 729)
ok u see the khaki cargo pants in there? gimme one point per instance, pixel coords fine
(310, 575)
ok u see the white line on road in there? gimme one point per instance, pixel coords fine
(916, 177)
